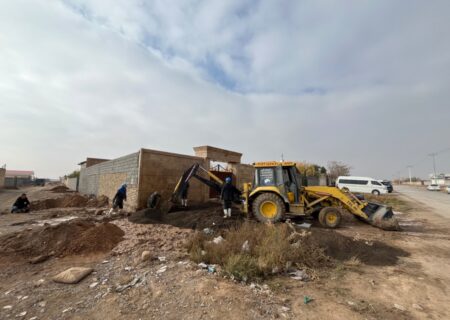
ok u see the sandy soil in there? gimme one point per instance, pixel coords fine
(384, 275)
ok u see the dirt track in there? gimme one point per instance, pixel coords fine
(438, 201)
(378, 274)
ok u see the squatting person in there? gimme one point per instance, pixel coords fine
(22, 204)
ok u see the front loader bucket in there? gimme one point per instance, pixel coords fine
(381, 216)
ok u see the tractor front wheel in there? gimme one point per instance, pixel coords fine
(330, 217)
(268, 207)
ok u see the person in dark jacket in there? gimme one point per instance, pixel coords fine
(227, 196)
(184, 196)
(119, 198)
(22, 204)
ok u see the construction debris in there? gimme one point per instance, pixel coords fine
(246, 246)
(39, 259)
(299, 275)
(72, 275)
(132, 283)
(218, 240)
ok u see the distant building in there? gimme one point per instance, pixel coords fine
(18, 178)
(441, 179)
(2, 177)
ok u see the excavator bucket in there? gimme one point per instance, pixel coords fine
(376, 214)
(381, 216)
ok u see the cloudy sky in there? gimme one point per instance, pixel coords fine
(363, 82)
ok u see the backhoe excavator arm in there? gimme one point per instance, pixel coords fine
(216, 183)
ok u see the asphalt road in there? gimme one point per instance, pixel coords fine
(438, 201)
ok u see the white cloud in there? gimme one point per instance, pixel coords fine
(314, 80)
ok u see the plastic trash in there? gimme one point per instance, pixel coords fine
(307, 299)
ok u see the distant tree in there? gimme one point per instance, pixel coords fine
(337, 168)
(310, 169)
(74, 174)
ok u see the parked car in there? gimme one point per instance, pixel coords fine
(361, 184)
(448, 189)
(433, 187)
(388, 185)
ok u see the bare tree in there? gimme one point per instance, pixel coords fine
(337, 168)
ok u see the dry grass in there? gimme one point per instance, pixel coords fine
(272, 249)
(396, 202)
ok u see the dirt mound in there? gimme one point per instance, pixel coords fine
(72, 238)
(344, 248)
(101, 201)
(197, 218)
(60, 189)
(70, 201)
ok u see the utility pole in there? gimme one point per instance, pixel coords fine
(409, 171)
(433, 155)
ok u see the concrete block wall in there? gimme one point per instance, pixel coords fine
(106, 177)
(71, 183)
(160, 171)
(243, 173)
(217, 154)
(2, 177)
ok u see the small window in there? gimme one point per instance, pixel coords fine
(266, 177)
(349, 181)
(376, 183)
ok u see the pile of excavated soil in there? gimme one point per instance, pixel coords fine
(60, 189)
(196, 218)
(343, 248)
(75, 200)
(76, 237)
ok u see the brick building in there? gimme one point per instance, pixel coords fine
(147, 171)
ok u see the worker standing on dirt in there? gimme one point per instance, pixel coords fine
(21, 205)
(227, 195)
(184, 195)
(119, 198)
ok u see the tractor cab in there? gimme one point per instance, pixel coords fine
(276, 190)
(283, 176)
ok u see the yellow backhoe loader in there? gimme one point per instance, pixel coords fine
(277, 192)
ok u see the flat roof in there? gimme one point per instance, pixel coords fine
(217, 149)
(16, 173)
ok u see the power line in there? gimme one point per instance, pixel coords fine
(433, 154)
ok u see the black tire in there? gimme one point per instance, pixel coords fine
(268, 199)
(330, 217)
(154, 201)
(375, 192)
(345, 189)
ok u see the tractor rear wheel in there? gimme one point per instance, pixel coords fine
(330, 217)
(268, 207)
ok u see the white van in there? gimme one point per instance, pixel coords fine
(361, 185)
